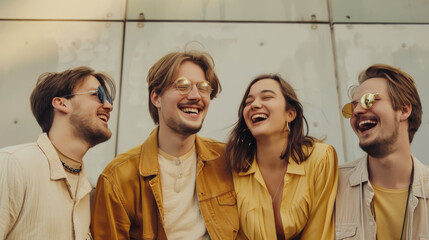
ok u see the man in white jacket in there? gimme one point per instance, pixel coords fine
(44, 189)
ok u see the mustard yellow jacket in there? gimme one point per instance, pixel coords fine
(128, 197)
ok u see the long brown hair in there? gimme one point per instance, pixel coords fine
(241, 145)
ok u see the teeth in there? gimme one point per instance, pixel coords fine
(190, 110)
(260, 115)
(103, 117)
(367, 121)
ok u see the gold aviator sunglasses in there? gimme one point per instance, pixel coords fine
(366, 101)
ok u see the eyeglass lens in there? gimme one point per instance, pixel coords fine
(366, 101)
(103, 96)
(184, 86)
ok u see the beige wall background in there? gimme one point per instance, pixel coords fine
(318, 46)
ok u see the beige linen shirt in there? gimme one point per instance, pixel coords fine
(36, 201)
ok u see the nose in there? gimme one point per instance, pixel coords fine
(108, 106)
(194, 93)
(256, 104)
(358, 109)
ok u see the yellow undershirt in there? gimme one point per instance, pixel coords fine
(389, 207)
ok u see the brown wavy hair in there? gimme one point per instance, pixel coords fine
(402, 91)
(163, 73)
(241, 145)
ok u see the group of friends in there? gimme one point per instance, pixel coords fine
(271, 180)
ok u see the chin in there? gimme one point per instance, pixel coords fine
(257, 134)
(376, 149)
(99, 137)
(190, 130)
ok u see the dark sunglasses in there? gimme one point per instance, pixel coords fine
(101, 94)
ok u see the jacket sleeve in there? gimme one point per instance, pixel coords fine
(12, 192)
(109, 218)
(321, 222)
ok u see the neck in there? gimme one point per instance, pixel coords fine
(392, 171)
(174, 144)
(67, 144)
(269, 150)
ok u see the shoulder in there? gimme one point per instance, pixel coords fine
(210, 149)
(322, 153)
(18, 163)
(212, 153)
(320, 148)
(123, 164)
(18, 149)
(22, 153)
(350, 166)
(345, 171)
(212, 143)
(420, 168)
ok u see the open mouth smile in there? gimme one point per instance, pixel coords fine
(103, 117)
(190, 110)
(259, 117)
(363, 125)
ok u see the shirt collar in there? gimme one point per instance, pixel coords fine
(57, 171)
(292, 168)
(360, 173)
(421, 178)
(149, 153)
(55, 166)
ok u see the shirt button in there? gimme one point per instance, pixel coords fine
(338, 233)
(371, 223)
(177, 162)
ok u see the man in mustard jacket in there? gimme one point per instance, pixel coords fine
(383, 195)
(175, 185)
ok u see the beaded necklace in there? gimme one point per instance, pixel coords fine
(67, 167)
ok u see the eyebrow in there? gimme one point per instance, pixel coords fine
(263, 91)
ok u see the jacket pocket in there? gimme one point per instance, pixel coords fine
(227, 199)
(227, 214)
(345, 231)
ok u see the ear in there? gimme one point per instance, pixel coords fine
(290, 114)
(405, 112)
(155, 99)
(59, 104)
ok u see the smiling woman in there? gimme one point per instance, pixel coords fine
(268, 149)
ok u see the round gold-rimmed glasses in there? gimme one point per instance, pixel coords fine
(366, 102)
(184, 86)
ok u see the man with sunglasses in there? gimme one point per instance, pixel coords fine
(383, 195)
(175, 185)
(45, 192)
